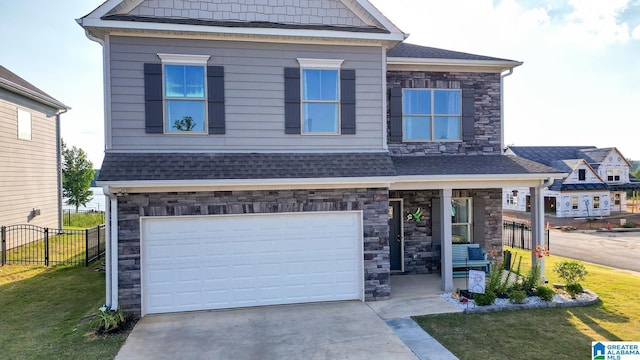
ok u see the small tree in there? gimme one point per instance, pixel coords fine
(77, 174)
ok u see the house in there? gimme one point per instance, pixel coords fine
(30, 179)
(596, 185)
(269, 152)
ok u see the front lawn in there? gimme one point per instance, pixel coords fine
(558, 333)
(43, 311)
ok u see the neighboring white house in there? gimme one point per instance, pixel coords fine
(596, 185)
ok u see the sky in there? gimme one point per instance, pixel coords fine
(579, 84)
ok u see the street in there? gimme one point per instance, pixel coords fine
(615, 249)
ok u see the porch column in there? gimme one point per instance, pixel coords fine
(445, 241)
(537, 226)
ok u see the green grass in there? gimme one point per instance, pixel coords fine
(558, 333)
(83, 220)
(67, 247)
(42, 312)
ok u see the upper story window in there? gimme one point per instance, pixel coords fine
(320, 96)
(184, 93)
(24, 125)
(431, 114)
(582, 174)
(613, 174)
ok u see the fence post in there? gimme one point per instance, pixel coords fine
(86, 247)
(98, 237)
(513, 234)
(521, 236)
(46, 246)
(3, 249)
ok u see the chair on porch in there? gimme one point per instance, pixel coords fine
(467, 256)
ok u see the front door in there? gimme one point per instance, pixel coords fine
(395, 235)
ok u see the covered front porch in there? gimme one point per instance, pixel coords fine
(439, 201)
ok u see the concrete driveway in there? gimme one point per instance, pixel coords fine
(336, 330)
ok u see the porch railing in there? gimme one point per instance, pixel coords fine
(518, 235)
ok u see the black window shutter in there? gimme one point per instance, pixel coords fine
(215, 94)
(153, 99)
(347, 101)
(292, 101)
(468, 115)
(479, 226)
(395, 114)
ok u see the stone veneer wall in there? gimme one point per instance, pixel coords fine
(421, 251)
(487, 109)
(373, 203)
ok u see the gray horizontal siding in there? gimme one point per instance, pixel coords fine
(254, 95)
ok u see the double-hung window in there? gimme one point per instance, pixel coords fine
(596, 202)
(461, 220)
(320, 96)
(431, 114)
(184, 93)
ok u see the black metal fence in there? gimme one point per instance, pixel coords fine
(518, 235)
(68, 215)
(34, 245)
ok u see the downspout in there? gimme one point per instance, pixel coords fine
(502, 76)
(111, 255)
(59, 166)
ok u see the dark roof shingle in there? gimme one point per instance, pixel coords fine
(209, 166)
(405, 50)
(244, 24)
(469, 165)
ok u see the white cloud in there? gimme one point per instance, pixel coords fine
(595, 22)
(636, 33)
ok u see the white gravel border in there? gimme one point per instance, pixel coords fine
(587, 298)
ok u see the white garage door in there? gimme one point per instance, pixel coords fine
(217, 262)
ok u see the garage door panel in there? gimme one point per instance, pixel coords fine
(216, 262)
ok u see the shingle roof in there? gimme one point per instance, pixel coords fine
(559, 186)
(228, 166)
(595, 156)
(206, 166)
(468, 165)
(405, 50)
(549, 154)
(10, 79)
(244, 24)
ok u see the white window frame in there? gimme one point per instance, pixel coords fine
(188, 60)
(319, 64)
(575, 203)
(25, 124)
(432, 116)
(469, 223)
(596, 202)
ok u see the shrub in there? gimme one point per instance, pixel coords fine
(484, 299)
(108, 320)
(572, 272)
(629, 225)
(495, 278)
(574, 289)
(517, 296)
(545, 293)
(533, 279)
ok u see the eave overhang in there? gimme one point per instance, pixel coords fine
(21, 90)
(426, 64)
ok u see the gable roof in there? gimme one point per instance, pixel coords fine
(16, 84)
(548, 155)
(230, 18)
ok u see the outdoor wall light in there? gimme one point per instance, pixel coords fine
(35, 212)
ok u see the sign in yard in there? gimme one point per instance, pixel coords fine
(476, 281)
